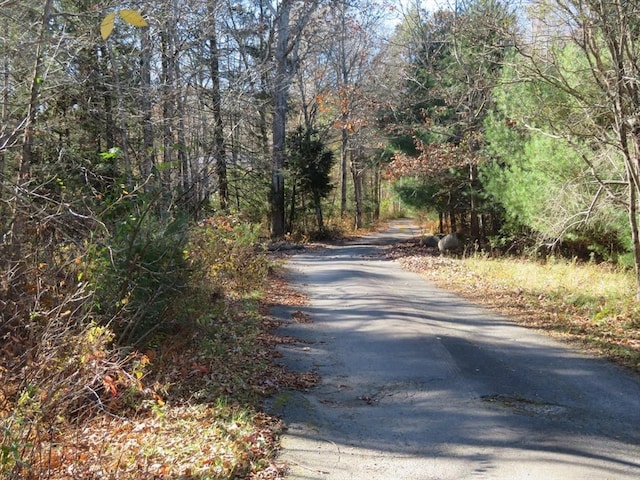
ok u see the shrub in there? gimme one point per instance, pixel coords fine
(57, 365)
(224, 253)
(139, 274)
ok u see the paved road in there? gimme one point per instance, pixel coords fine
(420, 384)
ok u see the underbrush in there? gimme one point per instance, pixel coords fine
(136, 354)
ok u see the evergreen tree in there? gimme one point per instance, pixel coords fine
(454, 60)
(309, 164)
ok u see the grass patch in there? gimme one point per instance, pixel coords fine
(585, 283)
(592, 306)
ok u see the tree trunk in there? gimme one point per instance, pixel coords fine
(190, 177)
(635, 234)
(168, 93)
(281, 86)
(148, 161)
(317, 203)
(121, 116)
(292, 206)
(219, 152)
(286, 59)
(343, 169)
(343, 82)
(4, 113)
(377, 185)
(107, 99)
(473, 206)
(630, 143)
(20, 216)
(36, 81)
(356, 172)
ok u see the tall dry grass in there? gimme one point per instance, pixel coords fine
(591, 305)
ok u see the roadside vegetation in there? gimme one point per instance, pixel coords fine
(150, 158)
(90, 390)
(590, 305)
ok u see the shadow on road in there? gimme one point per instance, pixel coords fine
(418, 383)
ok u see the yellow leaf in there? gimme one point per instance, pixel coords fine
(106, 27)
(133, 17)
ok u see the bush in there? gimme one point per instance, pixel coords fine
(224, 254)
(78, 295)
(68, 376)
(57, 365)
(139, 273)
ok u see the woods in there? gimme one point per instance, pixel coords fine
(521, 135)
(148, 152)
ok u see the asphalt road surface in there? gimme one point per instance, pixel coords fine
(420, 384)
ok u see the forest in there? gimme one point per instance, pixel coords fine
(151, 151)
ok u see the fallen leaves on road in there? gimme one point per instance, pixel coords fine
(300, 317)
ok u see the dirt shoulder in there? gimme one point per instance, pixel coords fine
(617, 339)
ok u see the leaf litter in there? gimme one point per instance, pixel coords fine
(202, 418)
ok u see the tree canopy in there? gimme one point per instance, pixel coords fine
(500, 119)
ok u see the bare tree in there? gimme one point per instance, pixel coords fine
(219, 150)
(146, 57)
(5, 130)
(351, 55)
(36, 81)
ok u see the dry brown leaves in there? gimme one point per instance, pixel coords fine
(300, 317)
(280, 292)
(203, 422)
(186, 442)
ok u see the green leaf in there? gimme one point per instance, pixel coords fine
(162, 166)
